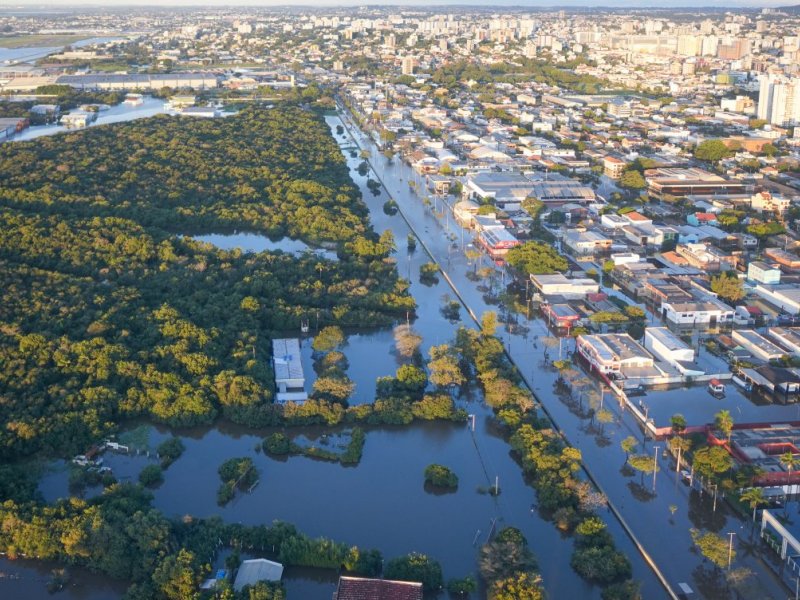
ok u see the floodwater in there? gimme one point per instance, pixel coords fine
(254, 242)
(32, 54)
(381, 502)
(27, 579)
(663, 535)
(116, 114)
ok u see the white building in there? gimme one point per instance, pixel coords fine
(258, 569)
(783, 296)
(761, 272)
(787, 337)
(707, 313)
(757, 345)
(668, 347)
(289, 378)
(611, 353)
(560, 284)
(586, 242)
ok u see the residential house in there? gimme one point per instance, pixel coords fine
(587, 242)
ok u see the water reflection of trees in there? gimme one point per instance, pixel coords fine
(702, 514)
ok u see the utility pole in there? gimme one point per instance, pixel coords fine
(730, 553)
(655, 465)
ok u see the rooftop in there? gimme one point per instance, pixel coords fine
(358, 588)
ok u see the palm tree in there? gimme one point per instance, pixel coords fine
(724, 422)
(754, 497)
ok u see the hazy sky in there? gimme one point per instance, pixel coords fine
(533, 3)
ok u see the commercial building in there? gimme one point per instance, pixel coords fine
(141, 81)
(785, 297)
(678, 183)
(613, 353)
(561, 285)
(786, 337)
(708, 313)
(761, 272)
(668, 347)
(757, 345)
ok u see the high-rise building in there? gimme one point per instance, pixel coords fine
(407, 66)
(779, 100)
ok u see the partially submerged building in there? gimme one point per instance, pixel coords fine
(289, 378)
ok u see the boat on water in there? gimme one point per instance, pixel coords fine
(134, 100)
(716, 388)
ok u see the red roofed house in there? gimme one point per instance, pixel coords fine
(702, 218)
(360, 588)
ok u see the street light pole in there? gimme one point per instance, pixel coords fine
(655, 465)
(730, 551)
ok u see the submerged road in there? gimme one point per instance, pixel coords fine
(656, 514)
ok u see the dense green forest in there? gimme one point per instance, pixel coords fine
(120, 534)
(110, 313)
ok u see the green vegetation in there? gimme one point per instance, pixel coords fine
(415, 567)
(279, 444)
(728, 286)
(522, 69)
(463, 586)
(440, 476)
(429, 274)
(109, 315)
(549, 464)
(536, 258)
(711, 151)
(170, 450)
(713, 547)
(235, 473)
(151, 476)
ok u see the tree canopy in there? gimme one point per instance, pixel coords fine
(536, 258)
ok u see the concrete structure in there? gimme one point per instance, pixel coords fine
(785, 297)
(587, 242)
(761, 272)
(143, 81)
(786, 337)
(613, 353)
(258, 569)
(289, 378)
(678, 183)
(560, 315)
(560, 284)
(706, 313)
(668, 347)
(757, 345)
